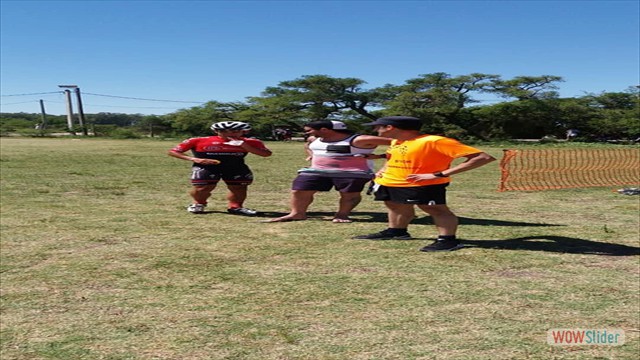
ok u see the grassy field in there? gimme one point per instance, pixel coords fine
(100, 260)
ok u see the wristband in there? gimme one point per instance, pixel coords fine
(440, 174)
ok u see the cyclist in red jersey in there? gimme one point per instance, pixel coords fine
(221, 157)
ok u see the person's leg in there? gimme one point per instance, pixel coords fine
(348, 201)
(445, 220)
(238, 180)
(303, 189)
(236, 196)
(200, 193)
(447, 224)
(400, 215)
(235, 199)
(300, 201)
(350, 196)
(204, 182)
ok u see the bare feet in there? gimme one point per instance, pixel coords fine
(285, 219)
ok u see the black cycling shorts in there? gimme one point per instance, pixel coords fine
(201, 175)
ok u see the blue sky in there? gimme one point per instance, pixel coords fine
(197, 51)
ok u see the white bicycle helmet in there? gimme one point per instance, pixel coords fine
(230, 125)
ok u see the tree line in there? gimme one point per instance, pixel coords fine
(448, 105)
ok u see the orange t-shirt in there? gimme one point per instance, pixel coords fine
(422, 155)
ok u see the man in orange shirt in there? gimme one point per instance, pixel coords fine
(417, 173)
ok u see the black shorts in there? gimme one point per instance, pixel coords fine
(324, 183)
(417, 195)
(212, 175)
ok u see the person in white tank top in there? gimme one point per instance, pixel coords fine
(339, 159)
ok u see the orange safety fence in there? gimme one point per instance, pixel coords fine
(544, 169)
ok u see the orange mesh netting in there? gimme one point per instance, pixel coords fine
(544, 169)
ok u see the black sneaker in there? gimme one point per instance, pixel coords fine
(242, 211)
(442, 245)
(384, 235)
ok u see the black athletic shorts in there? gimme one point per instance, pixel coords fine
(201, 175)
(418, 195)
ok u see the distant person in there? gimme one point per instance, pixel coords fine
(279, 134)
(340, 159)
(417, 173)
(572, 134)
(221, 157)
(288, 134)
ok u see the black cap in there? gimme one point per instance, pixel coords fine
(329, 124)
(401, 122)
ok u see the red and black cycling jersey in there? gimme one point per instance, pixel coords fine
(214, 147)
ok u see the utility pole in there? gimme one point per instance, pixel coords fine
(69, 109)
(67, 94)
(43, 124)
(81, 113)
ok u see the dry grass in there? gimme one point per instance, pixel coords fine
(100, 261)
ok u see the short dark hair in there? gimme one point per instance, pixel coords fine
(401, 122)
(338, 126)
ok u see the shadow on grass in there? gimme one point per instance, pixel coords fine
(483, 222)
(365, 216)
(559, 244)
(426, 220)
(381, 217)
(261, 214)
(315, 215)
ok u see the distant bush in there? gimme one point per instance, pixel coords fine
(548, 139)
(123, 133)
(11, 125)
(104, 130)
(32, 132)
(116, 132)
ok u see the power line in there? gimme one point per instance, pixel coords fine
(161, 100)
(22, 102)
(114, 96)
(143, 99)
(134, 98)
(133, 107)
(93, 105)
(42, 93)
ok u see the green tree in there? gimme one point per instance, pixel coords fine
(618, 114)
(529, 119)
(528, 87)
(118, 119)
(266, 113)
(26, 123)
(574, 113)
(317, 97)
(154, 125)
(438, 99)
(196, 121)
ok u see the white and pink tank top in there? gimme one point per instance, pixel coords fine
(339, 158)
